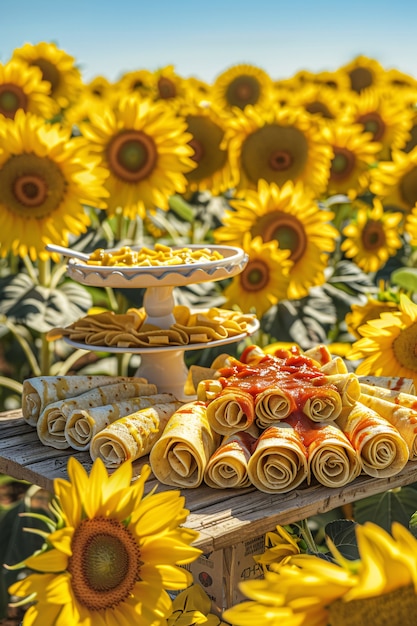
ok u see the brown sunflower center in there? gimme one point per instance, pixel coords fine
(31, 186)
(405, 347)
(243, 90)
(408, 187)
(274, 153)
(105, 563)
(132, 156)
(360, 78)
(49, 71)
(373, 236)
(373, 123)
(319, 107)
(207, 137)
(12, 98)
(166, 88)
(255, 276)
(342, 164)
(286, 229)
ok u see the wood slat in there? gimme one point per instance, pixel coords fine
(223, 517)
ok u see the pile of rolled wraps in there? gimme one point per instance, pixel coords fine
(275, 420)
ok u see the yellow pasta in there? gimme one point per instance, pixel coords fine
(159, 255)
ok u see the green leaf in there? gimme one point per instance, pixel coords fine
(343, 535)
(383, 509)
(405, 277)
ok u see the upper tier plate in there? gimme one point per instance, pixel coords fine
(233, 262)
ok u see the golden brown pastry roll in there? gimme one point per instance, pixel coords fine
(132, 436)
(180, 456)
(279, 459)
(231, 410)
(273, 404)
(228, 465)
(382, 449)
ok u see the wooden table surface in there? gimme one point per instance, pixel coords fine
(223, 517)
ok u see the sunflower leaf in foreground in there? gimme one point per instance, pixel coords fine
(113, 556)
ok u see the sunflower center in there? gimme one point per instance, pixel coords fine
(166, 88)
(243, 90)
(198, 148)
(405, 347)
(342, 164)
(360, 78)
(373, 123)
(132, 156)
(255, 277)
(31, 186)
(373, 236)
(320, 108)
(49, 71)
(105, 563)
(286, 229)
(408, 187)
(207, 137)
(274, 153)
(12, 98)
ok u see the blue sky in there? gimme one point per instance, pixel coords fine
(202, 38)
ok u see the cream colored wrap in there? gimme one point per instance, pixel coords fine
(231, 411)
(279, 460)
(40, 391)
(181, 454)
(51, 423)
(132, 436)
(83, 424)
(382, 449)
(273, 404)
(228, 465)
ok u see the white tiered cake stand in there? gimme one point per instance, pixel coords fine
(163, 365)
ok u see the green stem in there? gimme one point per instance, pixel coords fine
(307, 536)
(44, 267)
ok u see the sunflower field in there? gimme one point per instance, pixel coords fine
(314, 176)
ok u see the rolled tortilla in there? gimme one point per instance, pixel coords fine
(231, 410)
(279, 459)
(332, 459)
(132, 436)
(348, 386)
(321, 403)
(335, 366)
(382, 449)
(228, 465)
(397, 383)
(40, 391)
(181, 454)
(83, 424)
(51, 423)
(395, 396)
(273, 404)
(404, 418)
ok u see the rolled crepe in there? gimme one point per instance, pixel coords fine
(399, 383)
(404, 418)
(83, 424)
(132, 436)
(228, 465)
(402, 398)
(51, 423)
(181, 454)
(273, 404)
(382, 449)
(279, 459)
(231, 411)
(335, 366)
(348, 386)
(320, 403)
(332, 459)
(40, 391)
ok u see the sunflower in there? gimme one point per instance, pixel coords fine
(279, 545)
(116, 552)
(388, 345)
(241, 85)
(141, 82)
(22, 87)
(384, 114)
(354, 152)
(58, 69)
(95, 95)
(360, 314)
(169, 86)
(278, 144)
(395, 181)
(373, 236)
(144, 146)
(46, 178)
(363, 72)
(318, 100)
(291, 216)
(379, 588)
(213, 170)
(264, 281)
(191, 607)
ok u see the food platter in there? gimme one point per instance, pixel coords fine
(233, 262)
